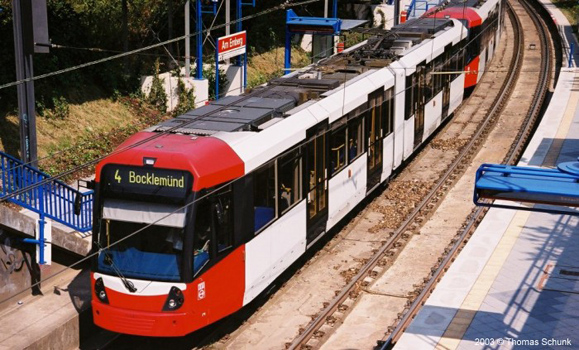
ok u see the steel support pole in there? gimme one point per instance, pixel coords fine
(288, 51)
(216, 71)
(245, 70)
(227, 21)
(199, 28)
(396, 12)
(238, 26)
(187, 39)
(24, 70)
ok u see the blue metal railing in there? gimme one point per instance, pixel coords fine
(53, 199)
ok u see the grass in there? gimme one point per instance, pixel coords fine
(88, 117)
(91, 129)
(268, 65)
(95, 113)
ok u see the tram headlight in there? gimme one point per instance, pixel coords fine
(175, 300)
(99, 289)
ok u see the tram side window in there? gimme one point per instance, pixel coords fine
(355, 138)
(427, 83)
(438, 68)
(213, 221)
(456, 61)
(290, 180)
(409, 97)
(388, 112)
(264, 194)
(203, 233)
(338, 148)
(222, 203)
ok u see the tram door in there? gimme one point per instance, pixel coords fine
(419, 105)
(374, 134)
(317, 181)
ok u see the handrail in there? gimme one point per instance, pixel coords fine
(50, 198)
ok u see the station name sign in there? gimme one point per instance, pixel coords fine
(146, 181)
(231, 45)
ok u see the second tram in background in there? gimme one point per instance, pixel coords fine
(196, 216)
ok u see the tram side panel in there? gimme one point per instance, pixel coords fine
(273, 250)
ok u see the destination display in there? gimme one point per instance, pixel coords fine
(132, 181)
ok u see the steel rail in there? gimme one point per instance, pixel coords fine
(512, 155)
(498, 104)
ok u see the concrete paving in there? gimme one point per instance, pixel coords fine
(54, 320)
(516, 283)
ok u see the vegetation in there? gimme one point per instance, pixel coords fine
(157, 96)
(186, 98)
(92, 143)
(570, 9)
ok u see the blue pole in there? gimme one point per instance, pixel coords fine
(288, 51)
(217, 71)
(245, 69)
(238, 27)
(571, 49)
(199, 27)
(335, 8)
(41, 223)
(238, 15)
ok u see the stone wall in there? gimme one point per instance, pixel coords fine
(18, 268)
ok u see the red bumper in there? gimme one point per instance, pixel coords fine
(150, 324)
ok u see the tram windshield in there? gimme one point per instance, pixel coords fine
(142, 240)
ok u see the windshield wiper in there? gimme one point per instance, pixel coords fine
(108, 259)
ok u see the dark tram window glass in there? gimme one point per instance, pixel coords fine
(222, 204)
(338, 147)
(316, 160)
(355, 138)
(202, 234)
(154, 253)
(290, 184)
(388, 112)
(427, 82)
(409, 96)
(264, 195)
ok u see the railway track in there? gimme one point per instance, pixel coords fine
(376, 264)
(512, 156)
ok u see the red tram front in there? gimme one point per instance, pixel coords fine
(154, 231)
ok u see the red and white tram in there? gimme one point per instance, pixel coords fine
(225, 197)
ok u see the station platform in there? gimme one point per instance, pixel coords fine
(516, 282)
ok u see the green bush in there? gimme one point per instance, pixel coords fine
(61, 108)
(157, 96)
(186, 99)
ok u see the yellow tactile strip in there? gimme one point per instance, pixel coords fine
(459, 324)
